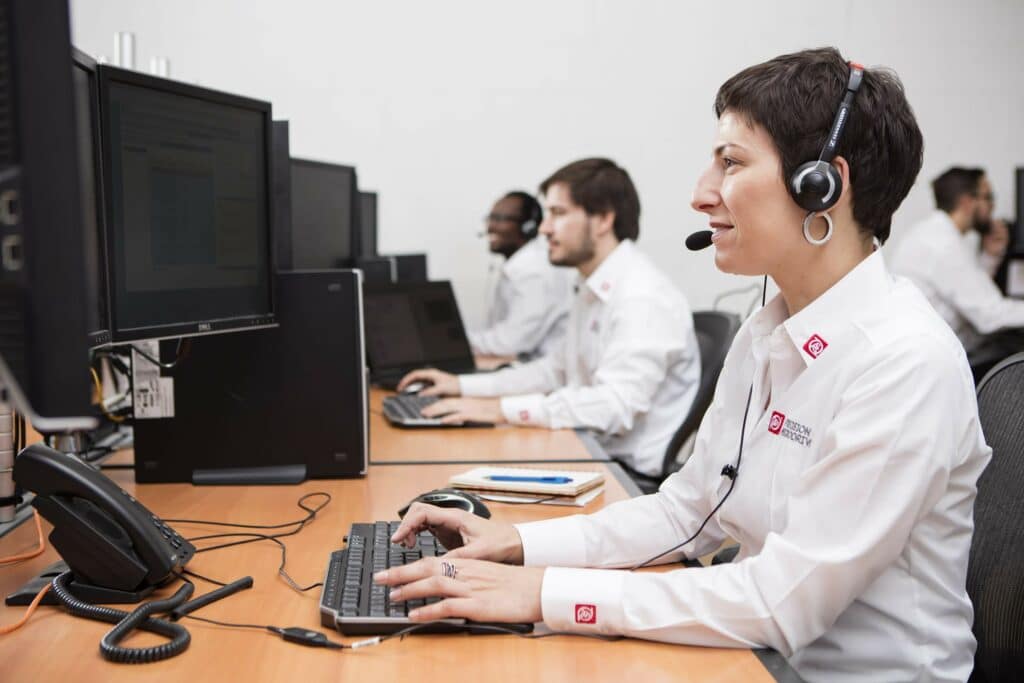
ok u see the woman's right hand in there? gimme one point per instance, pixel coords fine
(439, 382)
(462, 533)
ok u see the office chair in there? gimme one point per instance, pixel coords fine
(997, 550)
(715, 331)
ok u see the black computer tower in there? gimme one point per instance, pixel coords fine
(269, 406)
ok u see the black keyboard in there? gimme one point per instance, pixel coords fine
(405, 409)
(352, 603)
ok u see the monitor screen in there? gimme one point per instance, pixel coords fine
(87, 123)
(413, 325)
(324, 211)
(367, 224)
(188, 189)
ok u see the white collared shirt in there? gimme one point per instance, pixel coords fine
(853, 504)
(530, 306)
(628, 366)
(957, 282)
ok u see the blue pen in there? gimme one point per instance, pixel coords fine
(535, 480)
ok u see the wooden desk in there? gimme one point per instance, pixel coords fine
(55, 646)
(506, 443)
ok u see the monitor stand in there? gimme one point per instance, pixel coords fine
(277, 474)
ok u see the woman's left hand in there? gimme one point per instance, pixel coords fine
(473, 589)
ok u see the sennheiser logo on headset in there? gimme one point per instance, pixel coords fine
(838, 128)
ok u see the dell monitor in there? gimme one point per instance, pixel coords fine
(44, 352)
(325, 210)
(367, 233)
(189, 205)
(87, 112)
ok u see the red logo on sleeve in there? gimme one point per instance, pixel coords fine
(815, 345)
(586, 614)
(775, 424)
(524, 415)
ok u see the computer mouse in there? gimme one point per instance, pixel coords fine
(451, 498)
(416, 387)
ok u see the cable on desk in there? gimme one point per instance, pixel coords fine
(252, 537)
(28, 555)
(11, 628)
(200, 576)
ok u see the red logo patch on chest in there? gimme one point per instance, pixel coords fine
(775, 424)
(815, 345)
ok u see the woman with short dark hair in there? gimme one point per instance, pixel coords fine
(842, 448)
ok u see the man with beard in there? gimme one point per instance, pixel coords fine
(628, 366)
(946, 267)
(530, 302)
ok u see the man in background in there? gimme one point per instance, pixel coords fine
(955, 277)
(530, 304)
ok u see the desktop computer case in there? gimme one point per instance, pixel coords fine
(293, 395)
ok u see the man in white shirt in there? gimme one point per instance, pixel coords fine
(629, 365)
(954, 277)
(530, 303)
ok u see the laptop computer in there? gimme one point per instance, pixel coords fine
(413, 325)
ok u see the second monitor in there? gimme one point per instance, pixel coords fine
(325, 211)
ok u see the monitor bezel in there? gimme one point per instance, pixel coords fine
(100, 337)
(106, 76)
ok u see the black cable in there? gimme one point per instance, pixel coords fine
(251, 537)
(126, 622)
(226, 623)
(731, 471)
(200, 576)
(179, 354)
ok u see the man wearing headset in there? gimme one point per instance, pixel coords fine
(530, 303)
(628, 366)
(955, 278)
(842, 448)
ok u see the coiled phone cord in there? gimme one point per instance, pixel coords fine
(126, 622)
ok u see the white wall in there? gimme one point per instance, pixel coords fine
(444, 105)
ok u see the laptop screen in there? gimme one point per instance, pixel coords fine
(414, 325)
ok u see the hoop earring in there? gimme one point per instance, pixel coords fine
(807, 229)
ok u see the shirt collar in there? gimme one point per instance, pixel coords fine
(602, 281)
(824, 319)
(519, 262)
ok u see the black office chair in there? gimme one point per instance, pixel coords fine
(715, 331)
(997, 551)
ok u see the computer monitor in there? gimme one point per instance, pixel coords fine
(1018, 242)
(87, 113)
(367, 233)
(410, 268)
(282, 167)
(325, 209)
(189, 201)
(44, 353)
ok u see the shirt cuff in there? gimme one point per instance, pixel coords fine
(583, 600)
(480, 384)
(525, 410)
(555, 542)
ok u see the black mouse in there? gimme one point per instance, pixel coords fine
(451, 498)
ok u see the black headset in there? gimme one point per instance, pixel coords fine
(533, 214)
(816, 185)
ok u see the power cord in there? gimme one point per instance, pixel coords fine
(251, 537)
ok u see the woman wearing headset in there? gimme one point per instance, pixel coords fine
(842, 447)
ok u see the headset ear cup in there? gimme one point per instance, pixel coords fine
(528, 228)
(816, 186)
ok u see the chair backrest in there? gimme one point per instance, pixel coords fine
(715, 330)
(994, 576)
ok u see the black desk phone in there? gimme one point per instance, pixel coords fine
(109, 540)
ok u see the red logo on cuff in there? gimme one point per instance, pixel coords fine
(815, 345)
(524, 415)
(586, 614)
(775, 424)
